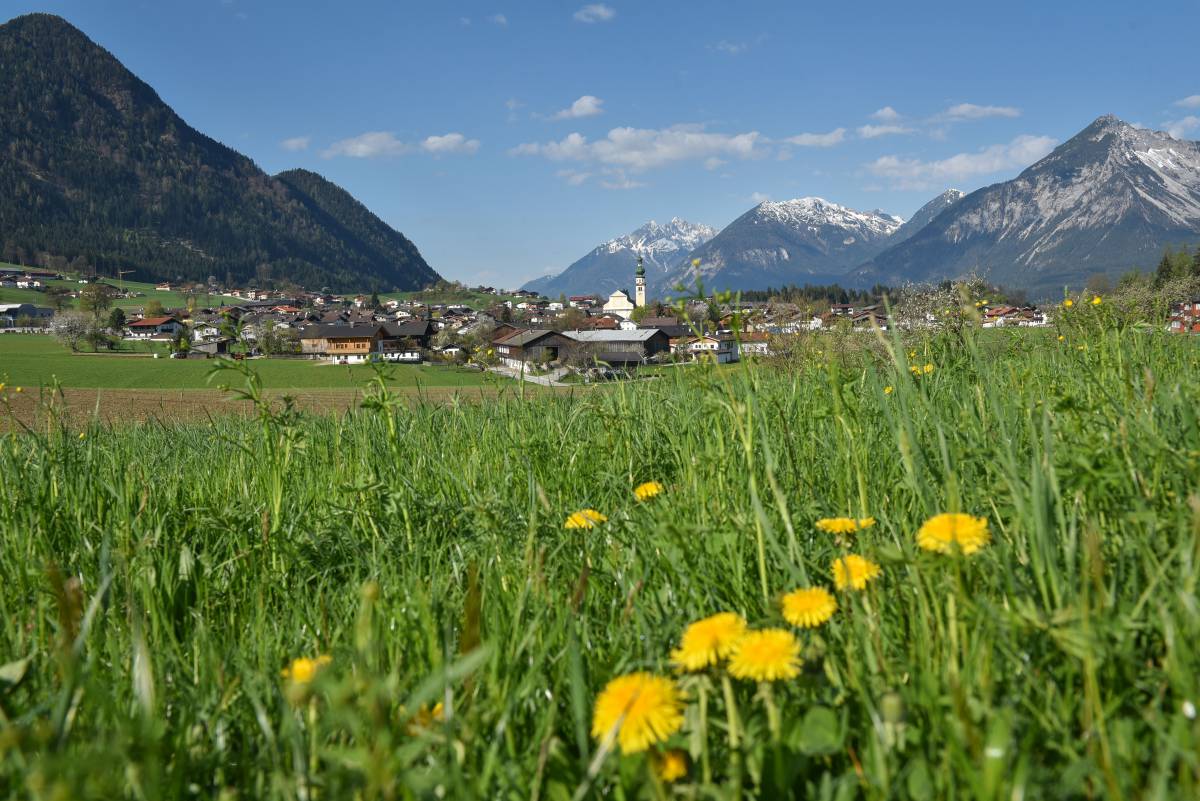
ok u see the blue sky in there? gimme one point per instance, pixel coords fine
(509, 138)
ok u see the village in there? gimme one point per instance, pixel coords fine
(512, 331)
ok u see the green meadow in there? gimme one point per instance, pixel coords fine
(33, 360)
(158, 583)
(168, 299)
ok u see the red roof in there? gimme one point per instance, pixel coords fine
(153, 321)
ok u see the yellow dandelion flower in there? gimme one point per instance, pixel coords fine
(708, 641)
(426, 717)
(928, 369)
(1068, 303)
(648, 490)
(670, 766)
(304, 669)
(942, 532)
(1096, 301)
(844, 525)
(19, 390)
(644, 709)
(767, 655)
(82, 435)
(887, 390)
(695, 262)
(854, 571)
(1061, 337)
(808, 607)
(584, 518)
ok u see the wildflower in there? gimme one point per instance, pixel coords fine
(912, 354)
(854, 571)
(767, 655)
(644, 708)
(844, 525)
(928, 368)
(584, 518)
(304, 669)
(670, 766)
(1068, 303)
(1061, 337)
(19, 390)
(695, 262)
(708, 641)
(426, 717)
(1096, 301)
(82, 435)
(646, 491)
(808, 607)
(942, 532)
(887, 390)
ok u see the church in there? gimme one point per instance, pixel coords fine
(619, 302)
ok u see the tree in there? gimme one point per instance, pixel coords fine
(59, 298)
(70, 329)
(116, 319)
(95, 298)
(154, 308)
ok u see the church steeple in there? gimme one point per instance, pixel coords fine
(639, 290)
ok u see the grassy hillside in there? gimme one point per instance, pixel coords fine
(167, 299)
(159, 583)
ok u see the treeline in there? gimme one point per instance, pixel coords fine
(813, 293)
(1177, 264)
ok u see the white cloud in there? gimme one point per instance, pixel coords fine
(1180, 128)
(574, 177)
(295, 144)
(1191, 101)
(970, 111)
(712, 163)
(759, 197)
(916, 174)
(586, 106)
(836, 136)
(498, 19)
(620, 181)
(378, 144)
(448, 144)
(639, 149)
(369, 145)
(886, 114)
(512, 104)
(595, 12)
(730, 48)
(876, 131)
(464, 21)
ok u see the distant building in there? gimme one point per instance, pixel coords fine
(619, 303)
(153, 326)
(10, 313)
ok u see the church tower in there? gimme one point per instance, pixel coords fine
(639, 291)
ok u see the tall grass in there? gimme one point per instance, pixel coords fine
(155, 579)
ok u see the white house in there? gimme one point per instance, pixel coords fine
(619, 303)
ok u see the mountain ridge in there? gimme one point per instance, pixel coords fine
(1105, 201)
(610, 265)
(99, 167)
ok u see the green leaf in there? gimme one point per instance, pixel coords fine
(12, 674)
(821, 731)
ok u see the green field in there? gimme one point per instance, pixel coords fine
(32, 360)
(158, 580)
(167, 299)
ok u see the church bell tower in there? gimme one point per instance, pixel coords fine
(639, 291)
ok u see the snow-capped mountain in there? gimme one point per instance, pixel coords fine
(808, 240)
(925, 215)
(1107, 200)
(611, 266)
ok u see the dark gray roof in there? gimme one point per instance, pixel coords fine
(338, 331)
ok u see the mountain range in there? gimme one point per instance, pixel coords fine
(608, 267)
(1109, 199)
(97, 167)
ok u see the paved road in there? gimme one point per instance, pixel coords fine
(549, 379)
